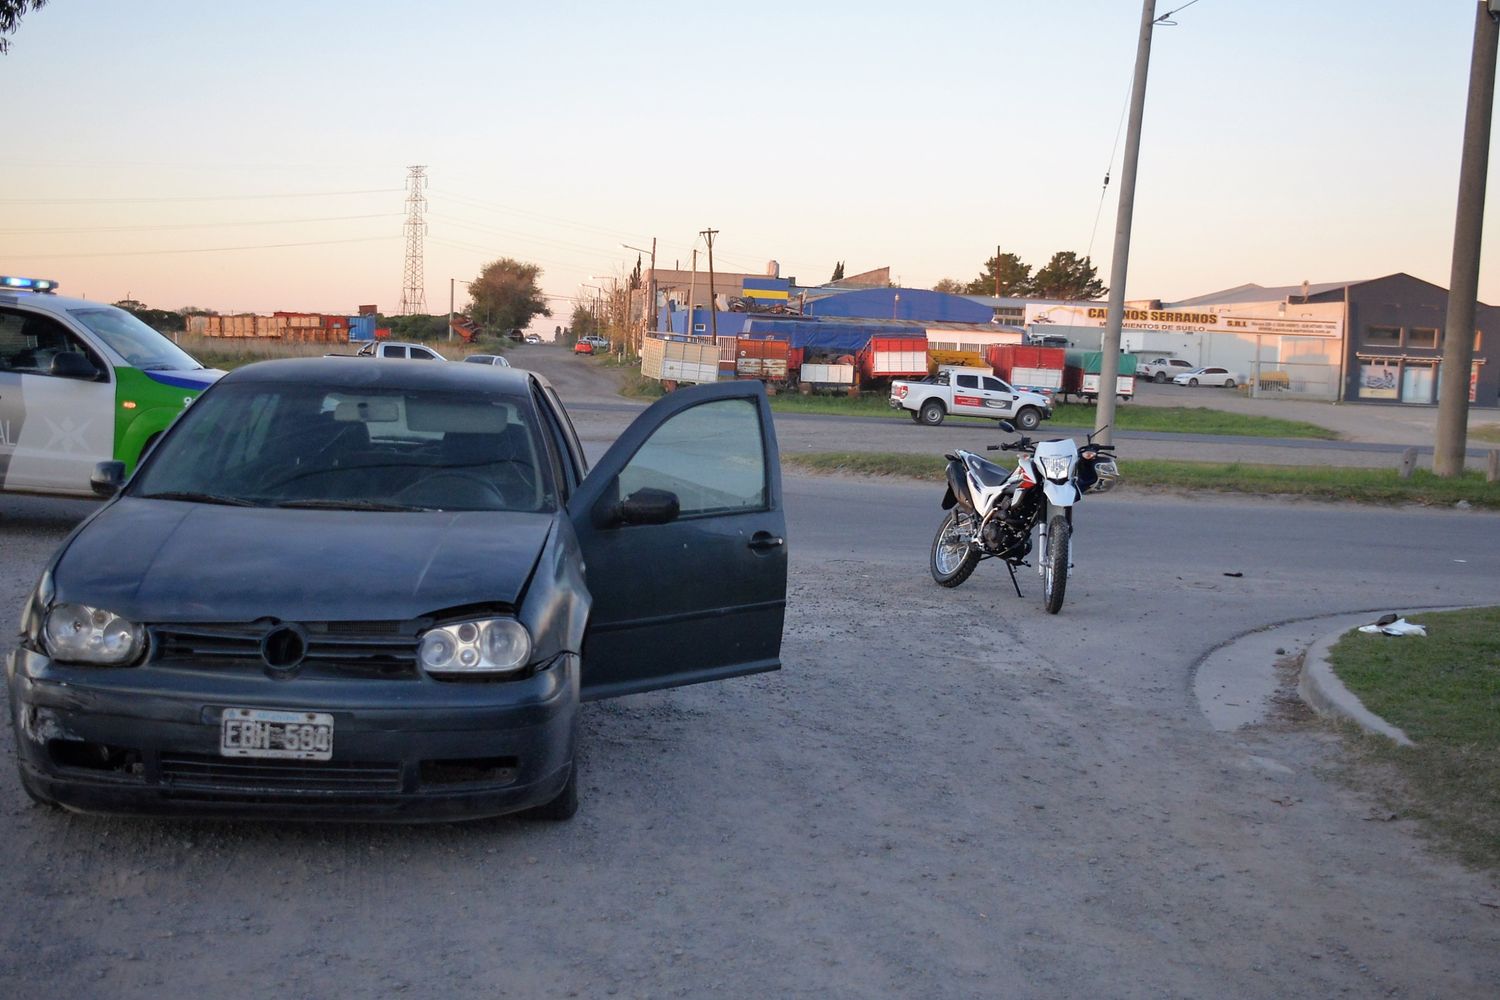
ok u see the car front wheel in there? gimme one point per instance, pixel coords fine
(1028, 419)
(1193, 382)
(1159, 377)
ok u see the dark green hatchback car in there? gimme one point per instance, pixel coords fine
(380, 590)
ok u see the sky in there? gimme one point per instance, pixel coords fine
(253, 157)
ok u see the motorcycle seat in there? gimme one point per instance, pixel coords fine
(988, 473)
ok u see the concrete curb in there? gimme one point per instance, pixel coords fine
(1320, 687)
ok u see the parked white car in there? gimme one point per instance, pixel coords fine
(1209, 376)
(488, 359)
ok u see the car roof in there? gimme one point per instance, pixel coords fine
(48, 301)
(359, 373)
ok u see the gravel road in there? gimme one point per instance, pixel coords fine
(943, 794)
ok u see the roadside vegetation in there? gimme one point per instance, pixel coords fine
(1169, 419)
(234, 352)
(1375, 486)
(1444, 692)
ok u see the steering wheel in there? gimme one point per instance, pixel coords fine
(480, 488)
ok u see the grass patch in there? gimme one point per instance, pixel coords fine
(1486, 432)
(1376, 486)
(1444, 692)
(1171, 419)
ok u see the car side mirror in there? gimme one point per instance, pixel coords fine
(73, 364)
(1007, 427)
(108, 478)
(649, 506)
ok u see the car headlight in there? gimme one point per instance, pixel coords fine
(1054, 466)
(486, 646)
(77, 633)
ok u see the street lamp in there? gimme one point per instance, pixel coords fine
(651, 285)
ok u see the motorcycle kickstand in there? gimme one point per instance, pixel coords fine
(1012, 569)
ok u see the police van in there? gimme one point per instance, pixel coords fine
(81, 383)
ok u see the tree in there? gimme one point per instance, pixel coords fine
(1015, 277)
(950, 285)
(506, 296)
(10, 18)
(635, 276)
(1068, 276)
(838, 272)
(581, 324)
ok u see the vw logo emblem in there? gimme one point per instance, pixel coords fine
(284, 647)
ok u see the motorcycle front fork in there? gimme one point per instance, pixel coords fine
(1043, 523)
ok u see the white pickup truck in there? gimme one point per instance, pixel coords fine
(394, 349)
(1161, 370)
(968, 392)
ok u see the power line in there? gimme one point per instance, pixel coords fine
(151, 253)
(210, 197)
(44, 231)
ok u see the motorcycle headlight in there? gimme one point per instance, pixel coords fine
(1054, 466)
(486, 646)
(77, 633)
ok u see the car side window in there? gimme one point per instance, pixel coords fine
(418, 354)
(568, 473)
(995, 385)
(29, 342)
(392, 351)
(712, 456)
(968, 381)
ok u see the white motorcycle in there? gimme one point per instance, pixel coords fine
(993, 512)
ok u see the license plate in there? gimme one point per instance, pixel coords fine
(255, 732)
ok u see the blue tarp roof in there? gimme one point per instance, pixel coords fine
(840, 338)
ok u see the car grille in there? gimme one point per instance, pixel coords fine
(374, 648)
(205, 772)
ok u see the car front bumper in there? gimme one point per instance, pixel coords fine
(143, 740)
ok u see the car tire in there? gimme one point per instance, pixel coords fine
(1159, 377)
(1193, 382)
(1229, 383)
(916, 417)
(932, 413)
(562, 806)
(1028, 419)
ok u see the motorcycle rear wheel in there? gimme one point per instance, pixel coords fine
(1055, 569)
(953, 557)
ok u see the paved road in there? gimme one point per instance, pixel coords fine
(943, 794)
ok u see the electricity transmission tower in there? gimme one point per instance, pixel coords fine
(413, 286)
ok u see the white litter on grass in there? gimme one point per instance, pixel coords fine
(1398, 627)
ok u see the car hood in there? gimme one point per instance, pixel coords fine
(163, 560)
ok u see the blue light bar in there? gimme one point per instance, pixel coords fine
(29, 284)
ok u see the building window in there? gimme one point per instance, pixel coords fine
(1383, 336)
(1379, 379)
(1422, 336)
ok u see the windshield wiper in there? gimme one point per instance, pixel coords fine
(349, 505)
(200, 498)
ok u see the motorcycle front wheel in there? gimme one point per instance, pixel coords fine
(1055, 569)
(953, 557)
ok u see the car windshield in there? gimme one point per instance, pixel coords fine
(140, 346)
(297, 445)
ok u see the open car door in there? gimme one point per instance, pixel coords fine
(684, 544)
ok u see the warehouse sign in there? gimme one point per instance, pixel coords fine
(1191, 321)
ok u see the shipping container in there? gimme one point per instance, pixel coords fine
(679, 360)
(893, 357)
(762, 359)
(1035, 369)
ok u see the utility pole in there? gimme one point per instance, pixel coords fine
(1463, 284)
(1109, 364)
(651, 290)
(713, 295)
(692, 290)
(413, 286)
(450, 310)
